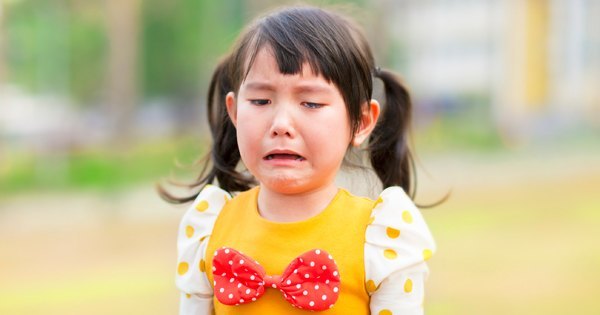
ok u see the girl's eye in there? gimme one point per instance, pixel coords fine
(312, 105)
(260, 102)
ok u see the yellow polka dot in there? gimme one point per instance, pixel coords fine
(182, 268)
(407, 217)
(187, 295)
(378, 201)
(408, 285)
(202, 206)
(427, 254)
(390, 254)
(189, 231)
(385, 312)
(371, 287)
(202, 265)
(392, 233)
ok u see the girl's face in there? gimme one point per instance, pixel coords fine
(292, 130)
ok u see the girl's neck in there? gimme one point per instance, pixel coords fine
(278, 207)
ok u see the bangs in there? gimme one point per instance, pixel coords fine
(289, 61)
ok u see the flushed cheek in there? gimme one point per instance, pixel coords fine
(330, 158)
(249, 145)
(330, 141)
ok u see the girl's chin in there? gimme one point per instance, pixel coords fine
(286, 185)
(283, 186)
(291, 186)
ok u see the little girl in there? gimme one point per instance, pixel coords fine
(289, 101)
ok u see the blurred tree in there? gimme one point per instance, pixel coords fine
(20, 43)
(3, 68)
(2, 78)
(122, 89)
(56, 46)
(181, 42)
(37, 44)
(88, 46)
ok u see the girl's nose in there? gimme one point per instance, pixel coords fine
(282, 124)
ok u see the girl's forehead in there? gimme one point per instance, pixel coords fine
(263, 61)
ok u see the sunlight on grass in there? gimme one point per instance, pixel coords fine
(524, 249)
(91, 289)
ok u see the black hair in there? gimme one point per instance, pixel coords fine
(335, 48)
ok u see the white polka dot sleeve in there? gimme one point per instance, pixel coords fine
(398, 243)
(194, 231)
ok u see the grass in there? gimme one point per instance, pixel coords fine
(101, 283)
(523, 248)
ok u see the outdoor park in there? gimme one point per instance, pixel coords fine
(99, 101)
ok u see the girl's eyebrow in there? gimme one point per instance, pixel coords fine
(312, 88)
(260, 86)
(302, 88)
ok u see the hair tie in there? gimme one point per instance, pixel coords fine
(377, 71)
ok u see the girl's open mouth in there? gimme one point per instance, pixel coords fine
(284, 156)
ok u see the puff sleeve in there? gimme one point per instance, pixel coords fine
(398, 243)
(194, 232)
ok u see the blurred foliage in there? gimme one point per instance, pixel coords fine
(88, 44)
(101, 168)
(57, 46)
(61, 46)
(181, 41)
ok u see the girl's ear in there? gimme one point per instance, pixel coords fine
(231, 104)
(368, 120)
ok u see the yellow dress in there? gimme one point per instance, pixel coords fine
(352, 229)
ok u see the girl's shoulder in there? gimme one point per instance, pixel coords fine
(397, 237)
(393, 203)
(194, 230)
(199, 219)
(210, 199)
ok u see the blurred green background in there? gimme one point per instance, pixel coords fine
(100, 99)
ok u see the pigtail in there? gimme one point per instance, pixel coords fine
(221, 162)
(225, 154)
(388, 143)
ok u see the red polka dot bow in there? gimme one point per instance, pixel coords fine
(311, 281)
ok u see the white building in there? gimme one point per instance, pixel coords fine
(538, 61)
